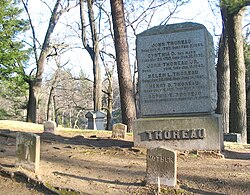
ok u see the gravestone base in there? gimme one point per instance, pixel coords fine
(203, 132)
(232, 137)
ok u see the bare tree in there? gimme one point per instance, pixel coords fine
(35, 80)
(70, 98)
(123, 63)
(233, 26)
(109, 92)
(53, 85)
(92, 50)
(223, 76)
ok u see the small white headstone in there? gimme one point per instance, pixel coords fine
(49, 127)
(119, 130)
(28, 150)
(161, 166)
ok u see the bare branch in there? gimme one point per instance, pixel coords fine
(173, 11)
(109, 21)
(148, 8)
(32, 29)
(47, 6)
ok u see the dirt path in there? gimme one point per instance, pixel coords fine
(96, 164)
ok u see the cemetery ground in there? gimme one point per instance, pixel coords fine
(90, 162)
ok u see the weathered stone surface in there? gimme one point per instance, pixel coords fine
(91, 116)
(28, 150)
(161, 166)
(49, 127)
(232, 137)
(180, 133)
(176, 70)
(96, 120)
(119, 130)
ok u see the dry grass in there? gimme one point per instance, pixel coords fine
(21, 126)
(38, 128)
(32, 127)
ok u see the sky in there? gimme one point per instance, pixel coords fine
(205, 12)
(199, 11)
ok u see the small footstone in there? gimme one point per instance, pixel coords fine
(161, 167)
(28, 151)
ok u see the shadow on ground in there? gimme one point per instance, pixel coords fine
(81, 140)
(99, 180)
(236, 186)
(77, 140)
(241, 155)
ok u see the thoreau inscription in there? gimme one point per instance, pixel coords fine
(176, 134)
(176, 70)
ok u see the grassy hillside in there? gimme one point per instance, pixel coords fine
(20, 126)
(38, 128)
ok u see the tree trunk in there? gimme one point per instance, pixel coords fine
(110, 105)
(70, 118)
(93, 51)
(56, 115)
(34, 88)
(35, 84)
(237, 74)
(96, 66)
(49, 117)
(76, 125)
(223, 77)
(123, 63)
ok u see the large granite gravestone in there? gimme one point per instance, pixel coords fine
(28, 150)
(161, 166)
(177, 89)
(176, 70)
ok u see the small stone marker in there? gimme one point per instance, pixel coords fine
(119, 130)
(161, 166)
(28, 150)
(232, 137)
(49, 127)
